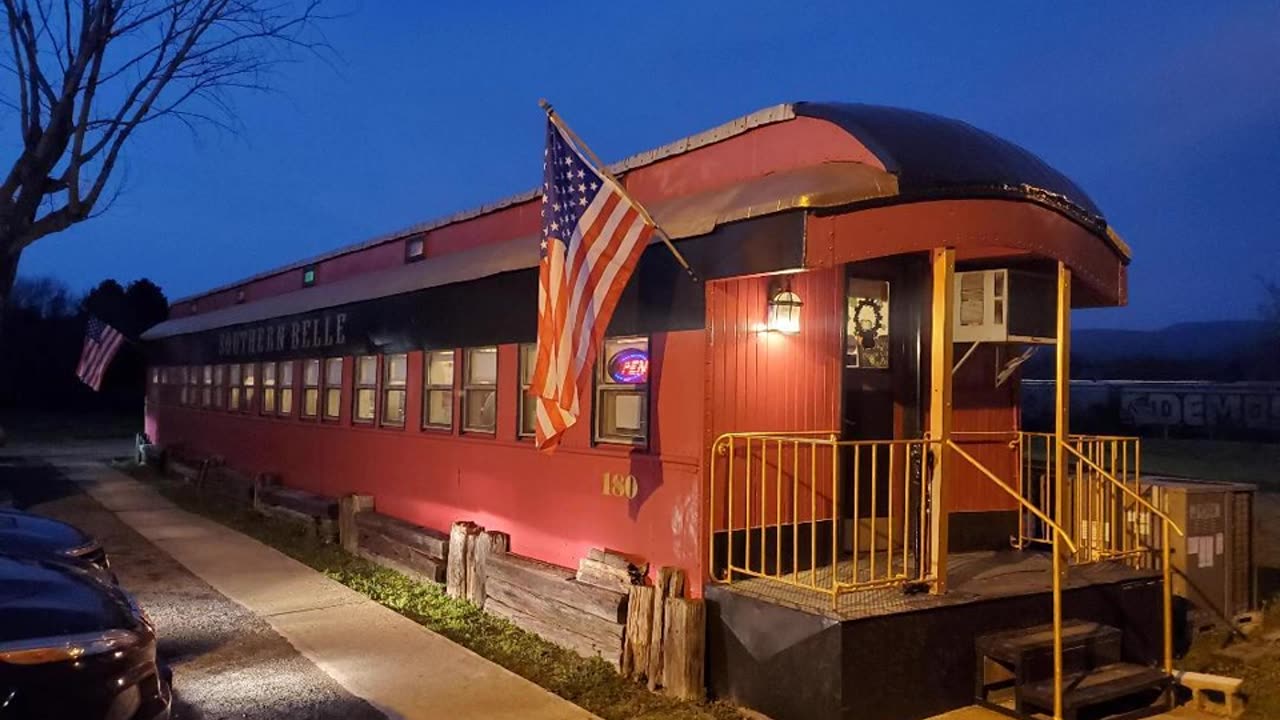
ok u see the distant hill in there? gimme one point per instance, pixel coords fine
(1221, 350)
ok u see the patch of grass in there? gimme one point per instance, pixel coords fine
(1261, 673)
(588, 683)
(1225, 460)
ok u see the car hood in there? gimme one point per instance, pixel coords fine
(40, 598)
(23, 532)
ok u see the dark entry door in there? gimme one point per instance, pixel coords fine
(881, 390)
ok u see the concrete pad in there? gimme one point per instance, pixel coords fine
(375, 653)
(471, 689)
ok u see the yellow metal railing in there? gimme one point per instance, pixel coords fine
(1107, 522)
(1146, 508)
(1058, 539)
(778, 504)
(776, 510)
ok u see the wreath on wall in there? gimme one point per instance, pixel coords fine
(868, 327)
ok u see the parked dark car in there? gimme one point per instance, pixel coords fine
(29, 535)
(74, 645)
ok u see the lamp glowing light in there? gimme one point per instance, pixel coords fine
(784, 312)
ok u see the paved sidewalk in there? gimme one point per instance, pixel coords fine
(395, 664)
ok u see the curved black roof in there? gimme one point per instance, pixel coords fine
(933, 155)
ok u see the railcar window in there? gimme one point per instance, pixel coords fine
(182, 379)
(366, 388)
(310, 388)
(622, 392)
(249, 376)
(206, 392)
(438, 399)
(528, 417)
(480, 390)
(395, 379)
(268, 389)
(218, 375)
(285, 375)
(333, 388)
(193, 379)
(153, 385)
(233, 380)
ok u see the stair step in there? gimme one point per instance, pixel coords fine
(1010, 646)
(1099, 685)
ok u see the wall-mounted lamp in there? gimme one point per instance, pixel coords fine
(784, 311)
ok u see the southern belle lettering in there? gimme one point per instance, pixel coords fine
(328, 330)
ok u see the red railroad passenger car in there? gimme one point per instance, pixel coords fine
(827, 424)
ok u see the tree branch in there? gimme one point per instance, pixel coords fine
(183, 61)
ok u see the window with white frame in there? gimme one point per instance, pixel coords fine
(310, 388)
(366, 397)
(206, 389)
(437, 398)
(249, 377)
(193, 383)
(395, 382)
(528, 417)
(284, 375)
(268, 389)
(219, 373)
(233, 381)
(622, 392)
(333, 388)
(480, 389)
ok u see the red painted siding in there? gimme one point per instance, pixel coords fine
(981, 407)
(552, 505)
(766, 381)
(769, 381)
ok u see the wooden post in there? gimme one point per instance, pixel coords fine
(635, 642)
(670, 584)
(348, 506)
(487, 543)
(684, 648)
(461, 538)
(940, 356)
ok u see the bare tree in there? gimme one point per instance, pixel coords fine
(90, 73)
(1270, 309)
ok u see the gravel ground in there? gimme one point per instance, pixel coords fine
(227, 662)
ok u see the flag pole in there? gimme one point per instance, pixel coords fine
(604, 170)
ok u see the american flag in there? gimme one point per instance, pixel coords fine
(592, 238)
(101, 341)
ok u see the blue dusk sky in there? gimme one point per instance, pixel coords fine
(1167, 114)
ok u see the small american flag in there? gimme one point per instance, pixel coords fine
(101, 341)
(592, 238)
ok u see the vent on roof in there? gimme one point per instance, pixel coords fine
(415, 248)
(195, 308)
(239, 296)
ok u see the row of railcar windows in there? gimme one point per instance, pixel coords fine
(381, 385)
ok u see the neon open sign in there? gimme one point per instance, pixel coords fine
(629, 366)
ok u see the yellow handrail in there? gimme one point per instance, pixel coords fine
(1012, 493)
(1166, 569)
(1058, 534)
(1141, 500)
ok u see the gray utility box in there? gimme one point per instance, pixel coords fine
(1213, 565)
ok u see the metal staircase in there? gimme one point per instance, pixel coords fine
(1093, 672)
